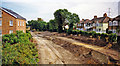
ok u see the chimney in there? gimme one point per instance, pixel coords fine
(95, 17)
(82, 19)
(104, 15)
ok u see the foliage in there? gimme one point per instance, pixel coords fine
(62, 17)
(112, 37)
(52, 26)
(17, 49)
(38, 25)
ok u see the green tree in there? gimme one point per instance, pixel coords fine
(62, 16)
(72, 18)
(53, 25)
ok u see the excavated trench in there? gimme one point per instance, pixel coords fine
(88, 55)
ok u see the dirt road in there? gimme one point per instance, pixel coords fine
(54, 50)
(51, 53)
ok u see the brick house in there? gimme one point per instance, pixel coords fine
(10, 22)
(100, 24)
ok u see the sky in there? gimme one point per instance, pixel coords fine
(86, 9)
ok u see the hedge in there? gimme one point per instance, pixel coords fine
(111, 37)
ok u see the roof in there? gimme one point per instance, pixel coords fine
(86, 21)
(101, 19)
(117, 18)
(12, 13)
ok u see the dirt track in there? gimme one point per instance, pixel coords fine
(57, 52)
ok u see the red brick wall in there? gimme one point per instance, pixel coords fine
(5, 23)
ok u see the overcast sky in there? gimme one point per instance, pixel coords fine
(86, 9)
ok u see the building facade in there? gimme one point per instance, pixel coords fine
(114, 24)
(11, 22)
(98, 24)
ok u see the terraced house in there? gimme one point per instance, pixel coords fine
(114, 24)
(101, 23)
(10, 22)
(98, 24)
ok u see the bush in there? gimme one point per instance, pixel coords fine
(22, 51)
(109, 32)
(112, 37)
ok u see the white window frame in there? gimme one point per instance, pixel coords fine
(0, 22)
(11, 23)
(116, 23)
(18, 23)
(11, 31)
(23, 23)
(110, 23)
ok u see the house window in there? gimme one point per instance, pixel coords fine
(0, 13)
(0, 32)
(97, 24)
(0, 22)
(114, 31)
(110, 23)
(18, 23)
(101, 25)
(23, 23)
(93, 24)
(11, 23)
(11, 31)
(115, 23)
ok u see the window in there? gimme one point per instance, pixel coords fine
(115, 23)
(23, 23)
(0, 22)
(114, 31)
(11, 31)
(93, 24)
(110, 23)
(11, 23)
(101, 25)
(18, 23)
(0, 32)
(97, 24)
(0, 13)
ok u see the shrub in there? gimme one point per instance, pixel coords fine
(22, 51)
(112, 37)
(109, 32)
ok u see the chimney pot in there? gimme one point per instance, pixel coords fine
(104, 15)
(95, 16)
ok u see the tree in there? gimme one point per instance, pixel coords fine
(72, 18)
(62, 16)
(38, 25)
(53, 25)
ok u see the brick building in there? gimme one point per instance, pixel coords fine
(10, 22)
